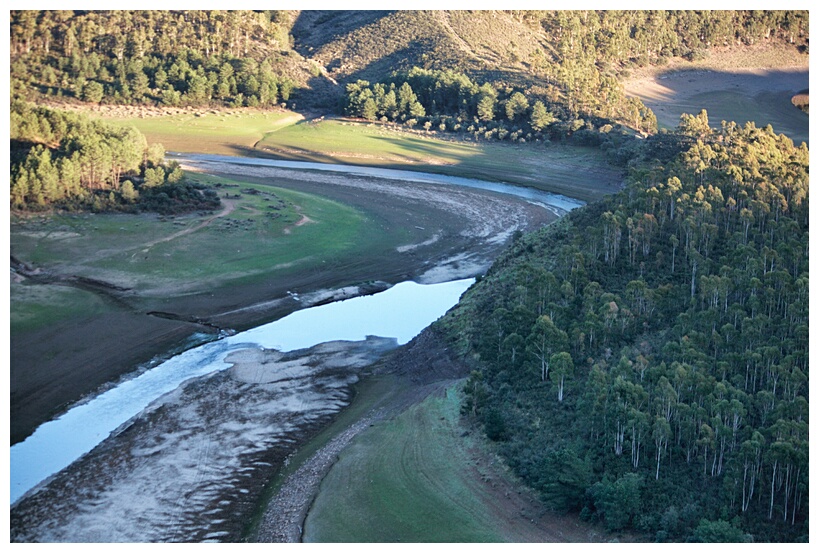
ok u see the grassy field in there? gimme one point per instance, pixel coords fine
(226, 132)
(369, 391)
(41, 306)
(404, 480)
(578, 172)
(574, 171)
(264, 229)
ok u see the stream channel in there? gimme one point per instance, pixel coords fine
(400, 312)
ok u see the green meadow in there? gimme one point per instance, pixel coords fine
(39, 306)
(226, 132)
(263, 231)
(571, 170)
(406, 479)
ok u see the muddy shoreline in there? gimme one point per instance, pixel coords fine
(55, 367)
(194, 466)
(226, 482)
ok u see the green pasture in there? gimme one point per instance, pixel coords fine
(574, 171)
(406, 479)
(333, 140)
(369, 391)
(223, 132)
(41, 305)
(728, 105)
(151, 254)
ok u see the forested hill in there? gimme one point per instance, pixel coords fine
(644, 361)
(262, 58)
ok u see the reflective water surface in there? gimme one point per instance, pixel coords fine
(400, 312)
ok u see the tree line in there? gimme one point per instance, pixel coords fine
(448, 101)
(67, 160)
(621, 39)
(644, 361)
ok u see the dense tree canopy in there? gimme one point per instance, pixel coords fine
(64, 159)
(451, 101)
(645, 359)
(149, 57)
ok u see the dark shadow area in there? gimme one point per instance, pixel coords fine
(316, 28)
(321, 94)
(764, 97)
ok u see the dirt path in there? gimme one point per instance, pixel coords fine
(303, 221)
(230, 205)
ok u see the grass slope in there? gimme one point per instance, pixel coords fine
(271, 232)
(570, 170)
(40, 306)
(405, 480)
(370, 44)
(226, 132)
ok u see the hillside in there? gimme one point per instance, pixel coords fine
(370, 45)
(644, 361)
(132, 54)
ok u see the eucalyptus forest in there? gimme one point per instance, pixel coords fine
(644, 361)
(641, 363)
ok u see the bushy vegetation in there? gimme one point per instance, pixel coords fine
(802, 101)
(68, 161)
(644, 361)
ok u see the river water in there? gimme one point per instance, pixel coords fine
(547, 200)
(400, 312)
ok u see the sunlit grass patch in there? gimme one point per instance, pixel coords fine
(221, 132)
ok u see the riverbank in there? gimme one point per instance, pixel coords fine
(199, 458)
(413, 396)
(409, 231)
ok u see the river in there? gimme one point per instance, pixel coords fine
(554, 202)
(187, 435)
(400, 312)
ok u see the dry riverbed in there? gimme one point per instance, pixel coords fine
(192, 466)
(454, 233)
